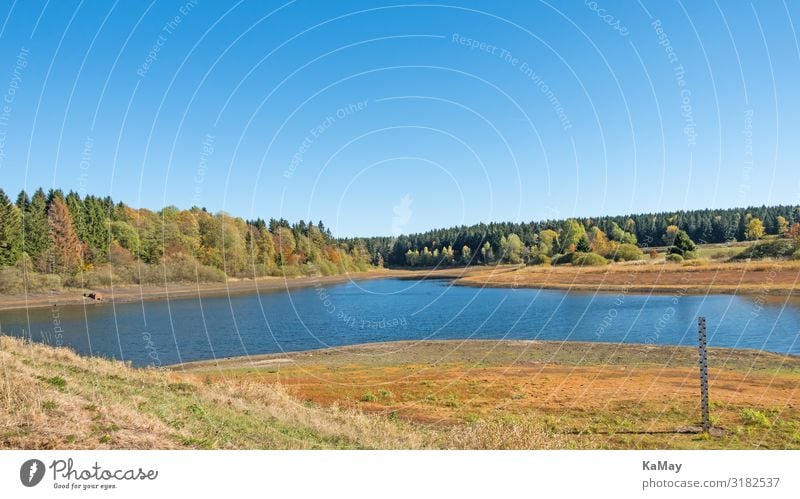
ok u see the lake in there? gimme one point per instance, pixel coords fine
(161, 332)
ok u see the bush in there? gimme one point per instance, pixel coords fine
(776, 248)
(43, 282)
(585, 259)
(12, 281)
(288, 271)
(178, 268)
(674, 257)
(328, 268)
(184, 268)
(258, 270)
(147, 275)
(210, 274)
(96, 277)
(541, 259)
(559, 259)
(628, 253)
(754, 418)
(674, 250)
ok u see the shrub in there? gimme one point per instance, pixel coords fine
(776, 248)
(184, 268)
(755, 418)
(541, 259)
(563, 259)
(210, 274)
(96, 277)
(583, 259)
(288, 271)
(674, 257)
(43, 282)
(327, 268)
(258, 270)
(13, 281)
(628, 253)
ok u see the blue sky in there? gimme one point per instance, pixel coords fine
(473, 111)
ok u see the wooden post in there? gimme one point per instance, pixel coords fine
(703, 350)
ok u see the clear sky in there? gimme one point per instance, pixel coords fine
(382, 117)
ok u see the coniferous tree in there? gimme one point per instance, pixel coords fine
(36, 229)
(10, 231)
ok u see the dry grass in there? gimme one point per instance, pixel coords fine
(448, 395)
(534, 394)
(52, 398)
(693, 277)
(55, 399)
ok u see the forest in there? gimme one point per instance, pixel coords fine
(49, 240)
(612, 237)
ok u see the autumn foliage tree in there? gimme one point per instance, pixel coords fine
(66, 248)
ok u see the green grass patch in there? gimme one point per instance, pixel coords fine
(56, 381)
(754, 417)
(369, 397)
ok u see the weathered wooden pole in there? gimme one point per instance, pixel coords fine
(703, 350)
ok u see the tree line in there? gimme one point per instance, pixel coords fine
(612, 237)
(90, 238)
(51, 239)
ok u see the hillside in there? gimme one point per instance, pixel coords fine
(54, 399)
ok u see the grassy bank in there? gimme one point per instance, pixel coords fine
(473, 395)
(54, 399)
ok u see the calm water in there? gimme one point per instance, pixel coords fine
(163, 333)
